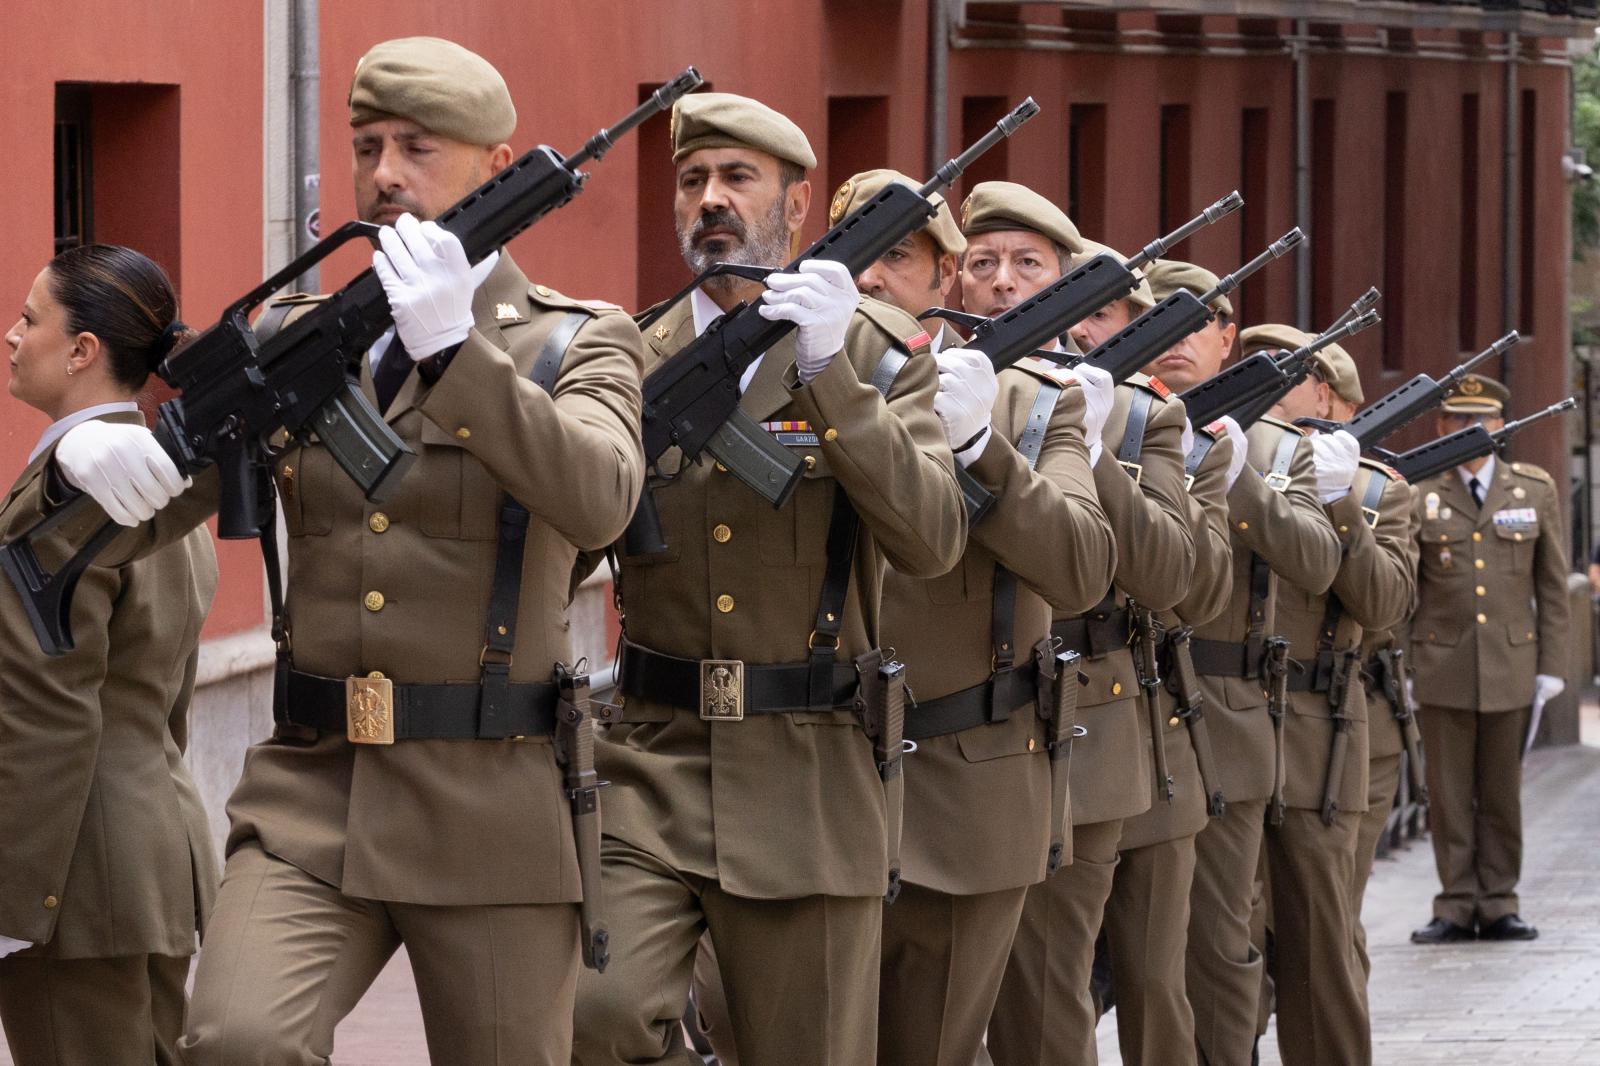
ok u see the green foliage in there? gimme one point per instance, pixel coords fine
(1586, 135)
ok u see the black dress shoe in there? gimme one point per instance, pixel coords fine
(1507, 927)
(1442, 931)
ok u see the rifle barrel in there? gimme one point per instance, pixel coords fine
(660, 100)
(1002, 129)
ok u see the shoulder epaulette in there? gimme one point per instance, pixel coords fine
(1536, 472)
(545, 296)
(1289, 426)
(1039, 367)
(900, 327)
(1217, 428)
(1151, 383)
(1387, 471)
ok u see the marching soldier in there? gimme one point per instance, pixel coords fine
(1277, 527)
(1044, 1012)
(978, 819)
(109, 866)
(1488, 640)
(412, 791)
(744, 801)
(1311, 847)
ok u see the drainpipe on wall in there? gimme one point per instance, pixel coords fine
(1509, 267)
(938, 107)
(1302, 175)
(305, 81)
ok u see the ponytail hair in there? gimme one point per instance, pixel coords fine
(126, 300)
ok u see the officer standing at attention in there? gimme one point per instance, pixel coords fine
(1278, 527)
(978, 798)
(743, 800)
(357, 827)
(1311, 849)
(1488, 640)
(109, 865)
(1044, 1012)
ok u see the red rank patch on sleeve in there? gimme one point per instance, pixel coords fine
(1160, 387)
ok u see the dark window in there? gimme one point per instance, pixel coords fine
(1394, 230)
(978, 116)
(858, 128)
(1174, 167)
(1323, 128)
(74, 180)
(1086, 168)
(1526, 222)
(660, 270)
(1254, 147)
(1467, 281)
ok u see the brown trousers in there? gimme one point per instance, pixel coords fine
(288, 956)
(1044, 1013)
(1222, 972)
(1322, 1003)
(800, 975)
(1383, 784)
(943, 959)
(125, 1011)
(1147, 929)
(1474, 770)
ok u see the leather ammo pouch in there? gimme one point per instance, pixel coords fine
(881, 706)
(1058, 681)
(575, 754)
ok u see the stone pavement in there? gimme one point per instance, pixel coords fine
(1475, 1005)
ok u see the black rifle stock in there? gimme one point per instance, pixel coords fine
(1465, 445)
(692, 400)
(1416, 397)
(237, 393)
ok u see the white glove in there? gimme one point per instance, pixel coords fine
(429, 284)
(1336, 456)
(1186, 442)
(1241, 449)
(819, 298)
(965, 400)
(122, 467)
(1547, 687)
(1411, 690)
(1099, 392)
(8, 945)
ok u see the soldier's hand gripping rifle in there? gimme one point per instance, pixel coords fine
(1410, 401)
(692, 400)
(1050, 312)
(236, 393)
(1465, 445)
(1248, 389)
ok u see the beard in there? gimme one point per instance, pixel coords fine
(764, 243)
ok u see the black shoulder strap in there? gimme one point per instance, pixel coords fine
(844, 529)
(1003, 605)
(1277, 479)
(1373, 497)
(505, 593)
(271, 321)
(1133, 435)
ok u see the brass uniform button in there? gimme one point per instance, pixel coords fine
(721, 469)
(1030, 744)
(50, 903)
(721, 534)
(811, 462)
(373, 601)
(1516, 537)
(1530, 636)
(463, 433)
(378, 522)
(1483, 619)
(1344, 529)
(1477, 535)
(1116, 688)
(1479, 563)
(1173, 721)
(725, 603)
(375, 675)
(1244, 525)
(542, 290)
(831, 434)
(1482, 591)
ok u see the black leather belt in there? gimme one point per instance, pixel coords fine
(425, 712)
(1094, 635)
(1224, 658)
(993, 700)
(727, 689)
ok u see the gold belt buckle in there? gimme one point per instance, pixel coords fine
(369, 710)
(722, 690)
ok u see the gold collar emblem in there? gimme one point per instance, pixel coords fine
(662, 331)
(504, 312)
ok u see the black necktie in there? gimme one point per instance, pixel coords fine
(391, 373)
(1476, 488)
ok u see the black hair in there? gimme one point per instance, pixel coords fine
(124, 299)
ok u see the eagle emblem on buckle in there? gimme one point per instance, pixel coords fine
(369, 710)
(722, 690)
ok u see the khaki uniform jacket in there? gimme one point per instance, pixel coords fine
(782, 805)
(977, 807)
(1155, 559)
(1207, 510)
(1374, 586)
(1291, 532)
(104, 846)
(1491, 589)
(403, 589)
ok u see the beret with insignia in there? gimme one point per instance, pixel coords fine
(1000, 205)
(437, 84)
(864, 186)
(1167, 276)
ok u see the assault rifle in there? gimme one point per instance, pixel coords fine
(692, 400)
(1465, 445)
(237, 392)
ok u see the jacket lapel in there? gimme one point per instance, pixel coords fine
(1495, 497)
(767, 393)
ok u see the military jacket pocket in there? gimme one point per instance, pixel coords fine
(1020, 734)
(797, 532)
(1520, 530)
(1445, 550)
(1431, 631)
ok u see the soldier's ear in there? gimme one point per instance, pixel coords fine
(796, 205)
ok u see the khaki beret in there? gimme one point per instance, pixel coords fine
(1167, 276)
(1478, 395)
(997, 205)
(864, 186)
(723, 120)
(437, 84)
(1334, 364)
(1141, 298)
